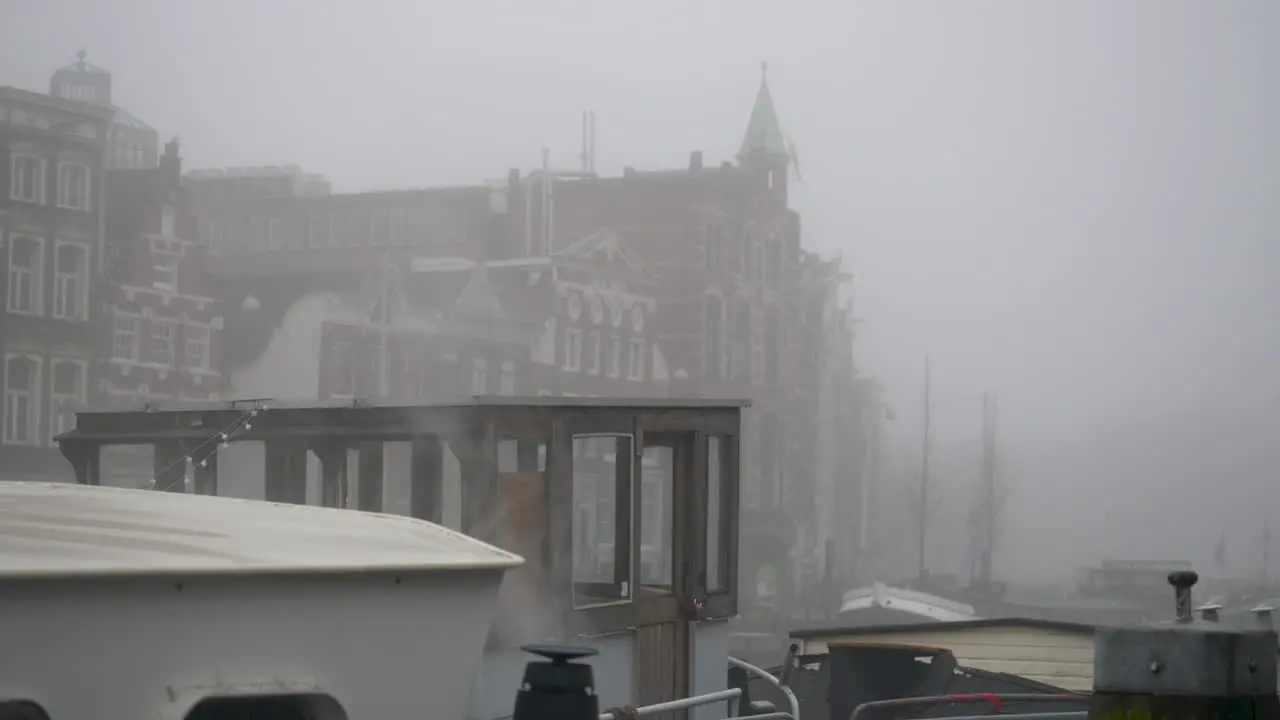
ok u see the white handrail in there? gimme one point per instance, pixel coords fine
(681, 704)
(759, 672)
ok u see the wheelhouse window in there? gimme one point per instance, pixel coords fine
(25, 261)
(21, 399)
(343, 363)
(126, 337)
(508, 378)
(71, 281)
(162, 340)
(479, 376)
(657, 503)
(73, 186)
(719, 511)
(196, 347)
(26, 178)
(68, 392)
(602, 519)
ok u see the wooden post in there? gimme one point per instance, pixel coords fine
(426, 475)
(333, 472)
(1184, 670)
(286, 471)
(170, 465)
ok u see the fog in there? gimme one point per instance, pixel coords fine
(1071, 203)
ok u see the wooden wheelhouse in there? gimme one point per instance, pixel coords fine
(626, 510)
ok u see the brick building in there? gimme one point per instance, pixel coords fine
(165, 317)
(51, 219)
(686, 281)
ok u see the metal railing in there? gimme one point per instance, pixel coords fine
(730, 695)
(768, 677)
(995, 700)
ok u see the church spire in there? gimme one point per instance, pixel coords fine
(764, 134)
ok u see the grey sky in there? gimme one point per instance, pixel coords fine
(1071, 202)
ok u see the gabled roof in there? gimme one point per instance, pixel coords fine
(478, 296)
(604, 249)
(764, 132)
(65, 530)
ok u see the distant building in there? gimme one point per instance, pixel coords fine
(165, 314)
(210, 188)
(51, 220)
(131, 143)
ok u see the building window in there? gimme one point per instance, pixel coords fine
(508, 378)
(318, 231)
(168, 222)
(712, 325)
(615, 357)
(26, 178)
(344, 369)
(257, 233)
(162, 332)
(166, 270)
(21, 399)
(635, 364)
(71, 281)
(275, 233)
(479, 376)
(593, 352)
(379, 229)
(126, 336)
(25, 255)
(68, 393)
(197, 343)
(572, 349)
(73, 186)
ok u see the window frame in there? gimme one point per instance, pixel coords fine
(624, 508)
(636, 360)
(479, 376)
(81, 278)
(507, 384)
(152, 340)
(62, 197)
(205, 342)
(593, 352)
(136, 331)
(40, 185)
(34, 396)
(36, 283)
(56, 413)
(166, 278)
(572, 361)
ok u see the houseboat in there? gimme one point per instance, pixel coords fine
(624, 511)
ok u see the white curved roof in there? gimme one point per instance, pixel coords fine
(908, 601)
(60, 530)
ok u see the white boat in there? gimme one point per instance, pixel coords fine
(127, 604)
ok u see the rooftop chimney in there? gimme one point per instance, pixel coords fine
(171, 163)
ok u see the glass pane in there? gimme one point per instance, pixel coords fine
(656, 493)
(715, 531)
(601, 482)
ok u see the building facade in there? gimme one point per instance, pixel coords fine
(52, 213)
(131, 143)
(163, 313)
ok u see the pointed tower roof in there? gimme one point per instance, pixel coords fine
(764, 133)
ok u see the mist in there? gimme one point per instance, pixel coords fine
(1072, 204)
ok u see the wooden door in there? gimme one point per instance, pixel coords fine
(663, 648)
